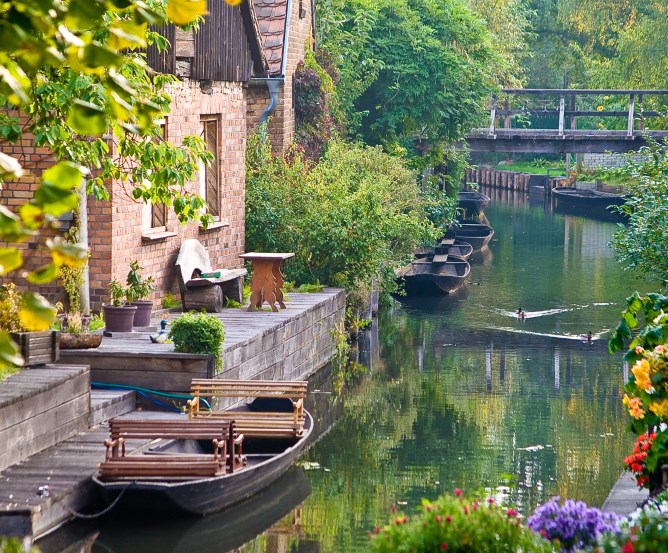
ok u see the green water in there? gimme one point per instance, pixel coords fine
(461, 394)
(466, 395)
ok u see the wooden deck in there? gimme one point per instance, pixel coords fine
(288, 345)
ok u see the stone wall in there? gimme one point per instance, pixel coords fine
(607, 161)
(293, 350)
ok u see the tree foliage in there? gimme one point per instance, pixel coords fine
(351, 218)
(598, 43)
(410, 69)
(74, 68)
(641, 245)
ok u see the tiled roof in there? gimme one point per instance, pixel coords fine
(271, 16)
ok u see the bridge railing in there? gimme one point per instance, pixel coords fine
(568, 106)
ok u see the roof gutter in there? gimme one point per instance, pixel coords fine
(286, 37)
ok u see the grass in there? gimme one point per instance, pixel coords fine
(7, 371)
(556, 169)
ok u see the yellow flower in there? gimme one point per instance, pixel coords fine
(641, 371)
(660, 408)
(635, 406)
(599, 108)
(606, 97)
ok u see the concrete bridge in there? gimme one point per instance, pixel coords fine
(560, 107)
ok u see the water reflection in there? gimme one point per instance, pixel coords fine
(458, 392)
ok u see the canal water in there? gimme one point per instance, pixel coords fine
(455, 392)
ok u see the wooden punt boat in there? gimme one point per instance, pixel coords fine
(472, 232)
(224, 531)
(472, 203)
(454, 247)
(587, 202)
(267, 459)
(440, 274)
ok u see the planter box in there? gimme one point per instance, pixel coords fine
(38, 348)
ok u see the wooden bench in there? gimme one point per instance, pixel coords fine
(227, 453)
(205, 292)
(288, 396)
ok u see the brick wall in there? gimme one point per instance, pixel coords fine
(609, 161)
(117, 228)
(282, 121)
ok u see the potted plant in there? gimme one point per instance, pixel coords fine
(36, 348)
(137, 292)
(118, 315)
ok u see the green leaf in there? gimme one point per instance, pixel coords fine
(66, 253)
(55, 194)
(183, 12)
(13, 81)
(123, 34)
(10, 259)
(9, 353)
(36, 313)
(87, 119)
(98, 55)
(44, 274)
(9, 167)
(84, 14)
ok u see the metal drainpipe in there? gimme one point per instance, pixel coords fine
(272, 85)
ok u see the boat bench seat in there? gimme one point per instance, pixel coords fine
(227, 448)
(278, 409)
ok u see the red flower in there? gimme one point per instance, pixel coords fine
(511, 512)
(438, 518)
(458, 492)
(490, 501)
(466, 510)
(628, 548)
(448, 519)
(444, 546)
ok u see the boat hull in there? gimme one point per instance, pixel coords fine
(206, 495)
(426, 278)
(591, 203)
(476, 234)
(472, 203)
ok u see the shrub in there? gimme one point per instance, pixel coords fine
(455, 524)
(198, 333)
(645, 531)
(138, 287)
(572, 524)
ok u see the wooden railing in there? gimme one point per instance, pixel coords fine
(568, 106)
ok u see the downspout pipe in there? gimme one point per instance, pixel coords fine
(273, 85)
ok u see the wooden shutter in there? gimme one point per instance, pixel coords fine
(158, 215)
(211, 171)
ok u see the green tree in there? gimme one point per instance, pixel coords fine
(352, 217)
(75, 69)
(641, 245)
(413, 72)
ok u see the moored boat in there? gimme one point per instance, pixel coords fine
(439, 274)
(455, 247)
(267, 458)
(587, 202)
(476, 234)
(472, 203)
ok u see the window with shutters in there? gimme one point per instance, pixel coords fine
(211, 172)
(159, 211)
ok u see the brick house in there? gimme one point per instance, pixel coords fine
(288, 32)
(214, 66)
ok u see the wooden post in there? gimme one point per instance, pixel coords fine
(629, 129)
(562, 103)
(492, 122)
(506, 119)
(641, 124)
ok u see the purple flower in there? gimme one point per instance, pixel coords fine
(573, 523)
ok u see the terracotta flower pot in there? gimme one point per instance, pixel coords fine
(143, 314)
(119, 319)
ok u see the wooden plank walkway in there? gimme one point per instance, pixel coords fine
(625, 496)
(41, 493)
